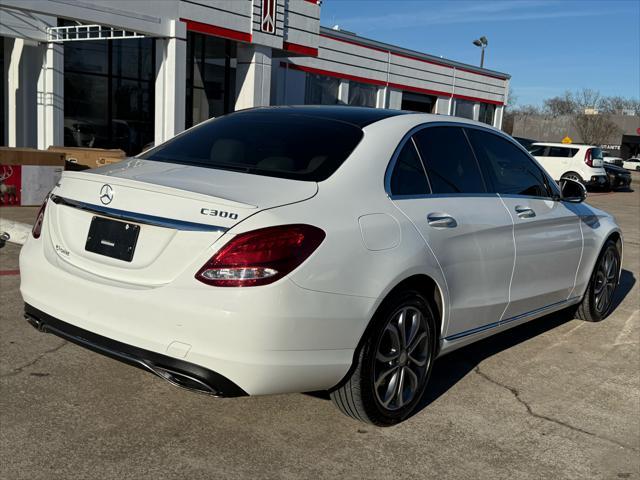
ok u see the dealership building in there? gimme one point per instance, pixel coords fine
(124, 74)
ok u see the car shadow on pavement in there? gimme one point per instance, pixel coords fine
(453, 367)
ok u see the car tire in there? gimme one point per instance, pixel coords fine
(573, 176)
(392, 369)
(598, 299)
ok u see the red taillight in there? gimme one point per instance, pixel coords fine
(37, 226)
(261, 256)
(587, 158)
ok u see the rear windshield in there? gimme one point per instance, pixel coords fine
(596, 153)
(284, 145)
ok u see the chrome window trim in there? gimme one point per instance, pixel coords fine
(485, 128)
(137, 217)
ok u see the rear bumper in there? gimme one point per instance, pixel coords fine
(279, 338)
(619, 180)
(597, 181)
(175, 371)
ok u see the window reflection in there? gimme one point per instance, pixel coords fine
(464, 108)
(211, 77)
(362, 94)
(487, 111)
(109, 94)
(321, 90)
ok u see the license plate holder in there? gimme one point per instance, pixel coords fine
(112, 238)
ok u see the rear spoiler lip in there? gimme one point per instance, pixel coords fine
(138, 217)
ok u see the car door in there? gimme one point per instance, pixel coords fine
(548, 235)
(468, 230)
(559, 160)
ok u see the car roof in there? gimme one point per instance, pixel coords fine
(558, 144)
(358, 116)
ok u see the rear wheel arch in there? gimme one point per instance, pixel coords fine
(572, 175)
(427, 287)
(616, 238)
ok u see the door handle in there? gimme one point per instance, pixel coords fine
(525, 212)
(440, 220)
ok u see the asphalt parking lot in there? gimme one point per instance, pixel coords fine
(556, 398)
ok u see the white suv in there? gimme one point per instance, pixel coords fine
(582, 163)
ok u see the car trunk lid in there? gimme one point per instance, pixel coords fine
(179, 211)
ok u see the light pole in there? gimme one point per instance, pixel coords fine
(481, 42)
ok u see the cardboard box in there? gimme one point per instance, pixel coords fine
(90, 157)
(27, 175)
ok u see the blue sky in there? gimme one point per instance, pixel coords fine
(548, 46)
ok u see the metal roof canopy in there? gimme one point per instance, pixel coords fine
(75, 33)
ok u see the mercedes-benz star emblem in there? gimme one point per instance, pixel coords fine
(106, 194)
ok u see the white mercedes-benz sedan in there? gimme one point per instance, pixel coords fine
(295, 249)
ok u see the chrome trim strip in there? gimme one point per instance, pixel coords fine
(500, 323)
(138, 217)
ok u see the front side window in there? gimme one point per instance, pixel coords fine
(293, 146)
(509, 170)
(449, 161)
(408, 176)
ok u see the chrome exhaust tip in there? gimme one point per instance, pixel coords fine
(182, 380)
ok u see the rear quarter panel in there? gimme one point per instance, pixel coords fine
(597, 226)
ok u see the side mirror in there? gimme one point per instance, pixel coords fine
(572, 191)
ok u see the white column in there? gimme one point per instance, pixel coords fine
(443, 106)
(497, 117)
(171, 83)
(253, 76)
(382, 97)
(395, 99)
(14, 99)
(343, 92)
(51, 97)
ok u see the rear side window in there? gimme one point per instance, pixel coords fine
(564, 152)
(408, 176)
(538, 151)
(449, 161)
(284, 145)
(508, 168)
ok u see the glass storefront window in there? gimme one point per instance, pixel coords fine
(487, 111)
(3, 85)
(321, 90)
(418, 102)
(109, 92)
(464, 108)
(211, 77)
(362, 94)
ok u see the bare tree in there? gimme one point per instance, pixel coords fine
(594, 129)
(564, 104)
(587, 98)
(617, 105)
